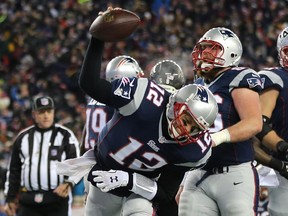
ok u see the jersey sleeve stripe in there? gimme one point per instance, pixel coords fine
(133, 106)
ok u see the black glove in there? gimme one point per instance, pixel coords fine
(282, 148)
(284, 169)
(280, 166)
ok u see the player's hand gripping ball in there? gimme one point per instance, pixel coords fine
(114, 25)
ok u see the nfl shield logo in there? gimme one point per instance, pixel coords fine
(38, 198)
(44, 101)
(53, 152)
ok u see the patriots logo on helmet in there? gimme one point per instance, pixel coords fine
(201, 94)
(124, 89)
(285, 33)
(254, 82)
(226, 34)
(125, 61)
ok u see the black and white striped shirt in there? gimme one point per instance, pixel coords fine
(34, 156)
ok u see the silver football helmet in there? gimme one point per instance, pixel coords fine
(123, 66)
(219, 47)
(282, 47)
(199, 102)
(168, 74)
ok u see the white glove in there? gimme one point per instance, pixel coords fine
(109, 180)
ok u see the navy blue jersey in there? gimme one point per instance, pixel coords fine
(237, 77)
(277, 78)
(97, 115)
(133, 140)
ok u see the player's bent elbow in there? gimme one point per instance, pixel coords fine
(257, 126)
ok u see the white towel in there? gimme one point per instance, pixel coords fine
(76, 168)
(267, 176)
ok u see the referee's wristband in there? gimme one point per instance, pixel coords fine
(221, 137)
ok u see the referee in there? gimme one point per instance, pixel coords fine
(32, 187)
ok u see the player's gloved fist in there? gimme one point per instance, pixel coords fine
(282, 147)
(284, 169)
(280, 166)
(109, 180)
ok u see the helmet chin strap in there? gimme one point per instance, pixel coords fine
(171, 130)
(206, 67)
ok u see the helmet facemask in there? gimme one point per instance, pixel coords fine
(283, 56)
(176, 126)
(282, 47)
(206, 56)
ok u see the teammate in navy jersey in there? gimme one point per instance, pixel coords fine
(97, 115)
(274, 136)
(148, 131)
(169, 75)
(228, 183)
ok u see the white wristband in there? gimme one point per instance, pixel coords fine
(144, 186)
(221, 137)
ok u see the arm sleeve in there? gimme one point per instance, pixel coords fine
(89, 79)
(12, 185)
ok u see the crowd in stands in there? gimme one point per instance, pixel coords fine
(42, 45)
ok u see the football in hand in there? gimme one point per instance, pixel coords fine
(114, 25)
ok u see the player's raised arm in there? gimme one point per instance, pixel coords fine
(89, 80)
(121, 24)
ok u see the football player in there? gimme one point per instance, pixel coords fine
(149, 130)
(274, 102)
(169, 75)
(228, 183)
(98, 114)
